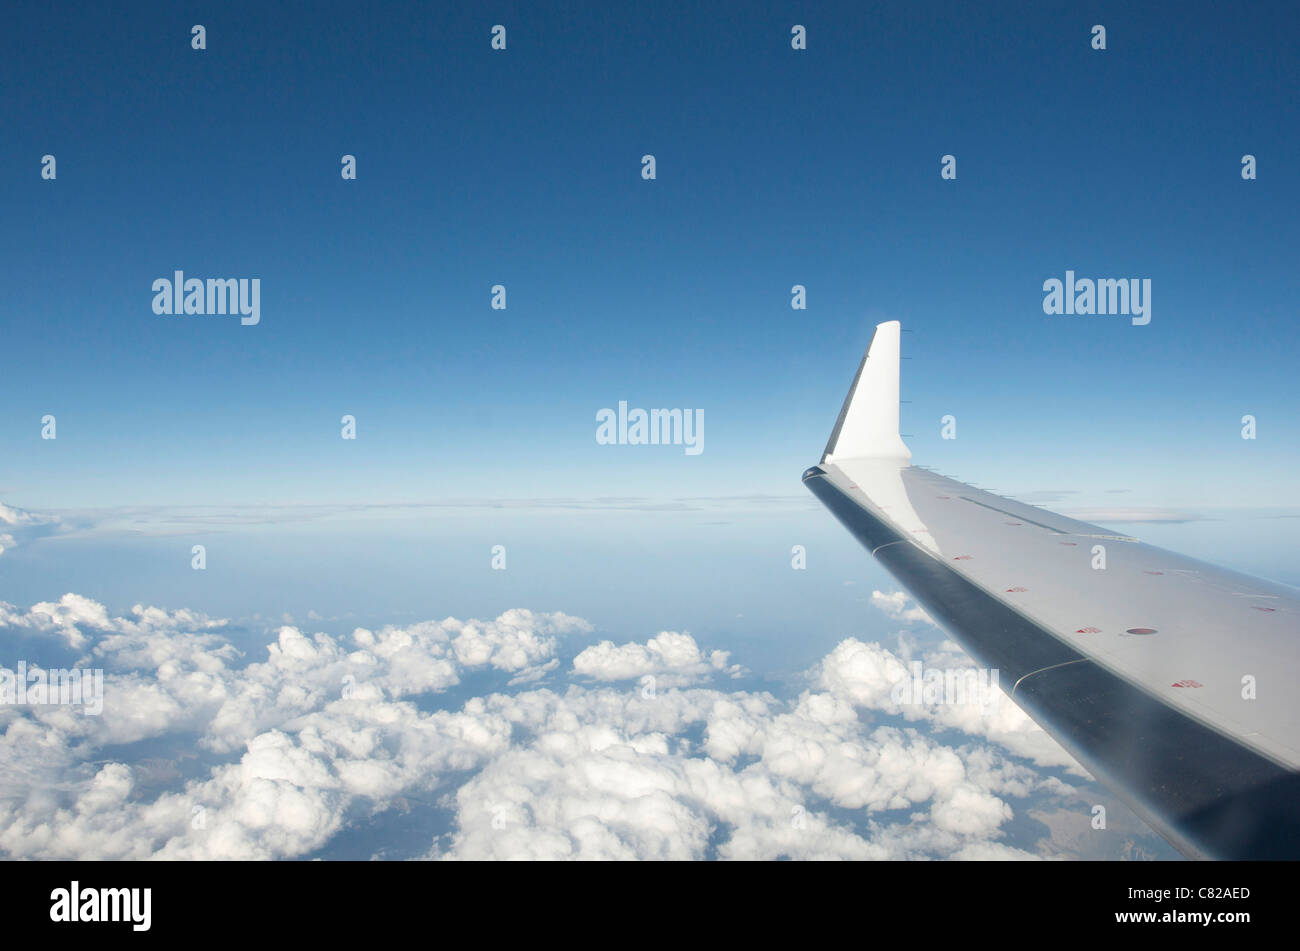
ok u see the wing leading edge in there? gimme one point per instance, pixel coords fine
(1139, 669)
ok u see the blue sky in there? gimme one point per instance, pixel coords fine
(521, 168)
(774, 167)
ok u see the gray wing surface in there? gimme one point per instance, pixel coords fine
(1171, 680)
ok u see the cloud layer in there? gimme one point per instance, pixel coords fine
(16, 524)
(202, 754)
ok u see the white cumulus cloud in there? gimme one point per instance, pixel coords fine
(672, 658)
(202, 753)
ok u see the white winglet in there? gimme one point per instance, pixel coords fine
(868, 423)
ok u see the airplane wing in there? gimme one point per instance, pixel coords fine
(1172, 681)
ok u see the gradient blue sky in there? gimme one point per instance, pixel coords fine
(775, 167)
